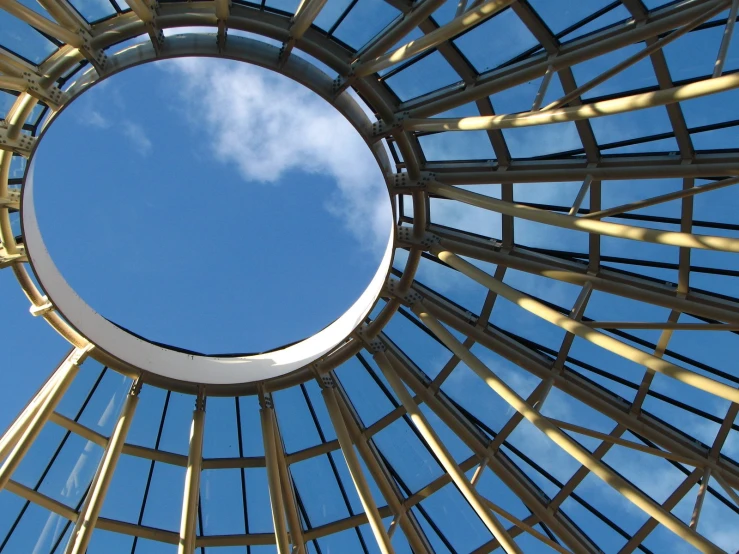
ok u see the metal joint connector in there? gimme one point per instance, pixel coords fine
(200, 399)
(409, 298)
(429, 239)
(381, 129)
(136, 387)
(156, 34)
(265, 401)
(12, 200)
(43, 309)
(405, 234)
(403, 180)
(52, 95)
(9, 259)
(98, 57)
(22, 145)
(341, 83)
(80, 354)
(376, 346)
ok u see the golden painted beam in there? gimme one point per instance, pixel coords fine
(602, 108)
(355, 468)
(442, 34)
(273, 474)
(661, 326)
(445, 457)
(718, 68)
(191, 495)
(643, 291)
(39, 22)
(288, 492)
(38, 417)
(599, 43)
(583, 456)
(639, 204)
(631, 60)
(88, 517)
(574, 385)
(20, 424)
(583, 331)
(306, 14)
(617, 230)
(398, 29)
(412, 530)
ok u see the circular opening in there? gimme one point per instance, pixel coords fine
(213, 207)
(216, 207)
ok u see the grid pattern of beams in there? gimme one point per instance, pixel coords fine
(589, 412)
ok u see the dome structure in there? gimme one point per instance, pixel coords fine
(543, 361)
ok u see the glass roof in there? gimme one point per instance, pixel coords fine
(549, 366)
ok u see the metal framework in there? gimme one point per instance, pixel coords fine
(550, 364)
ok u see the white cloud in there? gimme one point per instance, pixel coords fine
(268, 125)
(94, 118)
(132, 131)
(136, 134)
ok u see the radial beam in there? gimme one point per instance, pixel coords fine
(20, 424)
(73, 31)
(355, 469)
(575, 385)
(41, 23)
(623, 442)
(589, 111)
(375, 465)
(698, 507)
(718, 67)
(617, 230)
(612, 283)
(661, 326)
(306, 13)
(456, 26)
(37, 418)
(567, 444)
(66, 15)
(398, 29)
(147, 12)
(507, 471)
(561, 171)
(640, 536)
(304, 17)
(273, 473)
(631, 60)
(191, 496)
(288, 491)
(87, 519)
(599, 43)
(639, 204)
(444, 456)
(223, 11)
(583, 331)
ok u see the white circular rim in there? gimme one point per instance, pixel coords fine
(179, 365)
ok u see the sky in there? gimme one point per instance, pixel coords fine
(235, 204)
(208, 219)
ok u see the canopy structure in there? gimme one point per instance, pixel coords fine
(547, 365)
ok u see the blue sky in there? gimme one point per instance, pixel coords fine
(205, 219)
(221, 207)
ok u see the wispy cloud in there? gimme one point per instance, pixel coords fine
(268, 126)
(94, 118)
(132, 131)
(136, 134)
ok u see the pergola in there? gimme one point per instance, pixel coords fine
(628, 374)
